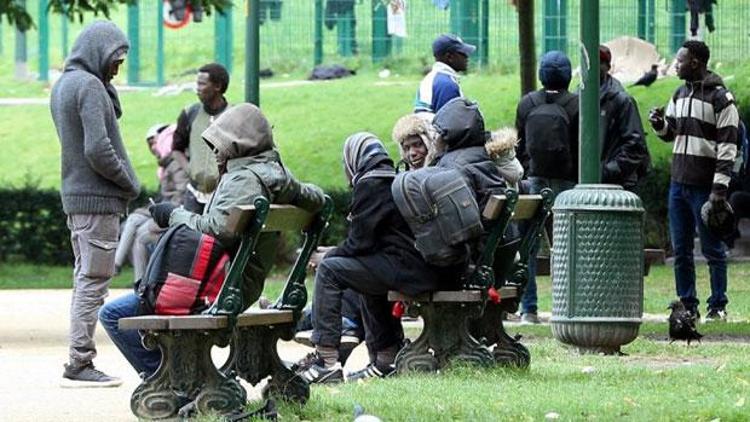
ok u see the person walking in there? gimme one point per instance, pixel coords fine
(702, 121)
(440, 85)
(98, 181)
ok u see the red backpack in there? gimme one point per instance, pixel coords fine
(184, 274)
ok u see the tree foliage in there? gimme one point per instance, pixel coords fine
(17, 16)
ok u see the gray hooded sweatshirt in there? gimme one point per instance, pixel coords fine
(97, 177)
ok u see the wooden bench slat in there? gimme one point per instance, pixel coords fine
(198, 322)
(146, 322)
(526, 207)
(281, 218)
(254, 317)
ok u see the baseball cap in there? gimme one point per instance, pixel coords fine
(449, 43)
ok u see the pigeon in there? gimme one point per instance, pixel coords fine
(648, 78)
(682, 324)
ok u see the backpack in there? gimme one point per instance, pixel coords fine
(184, 275)
(547, 136)
(741, 162)
(441, 212)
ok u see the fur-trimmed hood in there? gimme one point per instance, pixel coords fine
(418, 124)
(502, 143)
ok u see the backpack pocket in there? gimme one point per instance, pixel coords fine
(177, 295)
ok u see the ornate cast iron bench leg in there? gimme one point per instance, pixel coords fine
(508, 351)
(254, 357)
(442, 340)
(186, 374)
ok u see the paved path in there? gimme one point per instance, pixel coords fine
(33, 338)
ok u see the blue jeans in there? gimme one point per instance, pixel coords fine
(685, 202)
(529, 298)
(128, 341)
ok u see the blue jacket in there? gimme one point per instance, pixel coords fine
(437, 88)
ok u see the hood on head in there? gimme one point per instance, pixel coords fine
(241, 131)
(460, 124)
(555, 71)
(419, 124)
(362, 151)
(95, 48)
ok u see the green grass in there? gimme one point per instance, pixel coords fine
(311, 122)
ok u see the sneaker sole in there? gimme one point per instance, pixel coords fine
(69, 383)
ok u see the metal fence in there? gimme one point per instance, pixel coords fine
(297, 34)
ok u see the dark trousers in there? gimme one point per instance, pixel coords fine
(373, 276)
(685, 202)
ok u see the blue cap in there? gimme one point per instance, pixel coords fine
(449, 43)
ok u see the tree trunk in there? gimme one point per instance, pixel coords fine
(526, 45)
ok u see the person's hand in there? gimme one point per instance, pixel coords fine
(161, 213)
(716, 197)
(318, 256)
(656, 118)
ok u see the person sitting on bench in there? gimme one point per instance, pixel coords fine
(377, 255)
(250, 166)
(417, 140)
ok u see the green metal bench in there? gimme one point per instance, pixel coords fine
(187, 379)
(466, 325)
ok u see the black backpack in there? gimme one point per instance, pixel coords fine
(547, 136)
(441, 212)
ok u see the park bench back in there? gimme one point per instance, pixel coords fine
(254, 220)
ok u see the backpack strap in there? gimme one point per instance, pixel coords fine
(192, 112)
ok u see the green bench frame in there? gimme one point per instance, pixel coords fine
(465, 325)
(187, 379)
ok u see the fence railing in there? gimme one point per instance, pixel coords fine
(297, 34)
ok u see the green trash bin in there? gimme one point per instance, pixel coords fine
(597, 276)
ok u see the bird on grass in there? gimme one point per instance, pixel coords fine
(682, 324)
(649, 77)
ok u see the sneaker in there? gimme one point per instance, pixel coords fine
(716, 315)
(530, 318)
(304, 338)
(371, 371)
(312, 358)
(317, 374)
(87, 377)
(350, 338)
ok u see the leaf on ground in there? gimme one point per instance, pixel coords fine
(743, 381)
(740, 402)
(630, 401)
(721, 367)
(552, 416)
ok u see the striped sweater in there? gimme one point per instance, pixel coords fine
(702, 120)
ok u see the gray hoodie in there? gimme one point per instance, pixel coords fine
(97, 177)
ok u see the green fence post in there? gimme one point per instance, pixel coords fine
(465, 20)
(252, 51)
(64, 35)
(589, 117)
(679, 29)
(223, 46)
(484, 44)
(43, 41)
(555, 33)
(346, 33)
(646, 16)
(642, 16)
(21, 56)
(2, 49)
(159, 45)
(381, 41)
(318, 50)
(651, 31)
(133, 59)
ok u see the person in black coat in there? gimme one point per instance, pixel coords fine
(625, 157)
(377, 255)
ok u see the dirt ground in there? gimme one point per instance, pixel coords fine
(33, 348)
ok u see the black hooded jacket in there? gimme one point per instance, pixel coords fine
(625, 157)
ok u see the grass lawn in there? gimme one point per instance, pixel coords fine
(311, 121)
(655, 381)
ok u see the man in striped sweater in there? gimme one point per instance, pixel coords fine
(701, 119)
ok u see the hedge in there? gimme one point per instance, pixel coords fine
(33, 226)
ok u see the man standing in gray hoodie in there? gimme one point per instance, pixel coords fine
(97, 184)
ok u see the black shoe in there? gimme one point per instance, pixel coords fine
(716, 315)
(372, 371)
(317, 374)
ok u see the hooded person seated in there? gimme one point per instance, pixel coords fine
(417, 140)
(249, 167)
(377, 255)
(460, 126)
